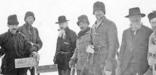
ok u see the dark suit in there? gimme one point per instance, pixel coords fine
(65, 49)
(133, 51)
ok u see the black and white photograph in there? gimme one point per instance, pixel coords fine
(78, 37)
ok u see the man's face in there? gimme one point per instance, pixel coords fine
(83, 25)
(30, 20)
(13, 28)
(153, 23)
(99, 14)
(63, 25)
(136, 19)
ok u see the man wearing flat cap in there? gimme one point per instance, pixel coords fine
(66, 44)
(134, 47)
(15, 46)
(31, 33)
(81, 58)
(105, 42)
(152, 41)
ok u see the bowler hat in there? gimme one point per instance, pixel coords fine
(83, 18)
(152, 15)
(12, 20)
(135, 11)
(61, 19)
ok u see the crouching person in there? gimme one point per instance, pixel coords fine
(80, 57)
(15, 46)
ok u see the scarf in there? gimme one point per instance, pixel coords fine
(81, 33)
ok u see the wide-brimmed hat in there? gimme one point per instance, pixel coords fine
(99, 6)
(61, 19)
(135, 11)
(12, 20)
(83, 18)
(152, 15)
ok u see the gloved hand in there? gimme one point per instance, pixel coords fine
(90, 49)
(33, 48)
(36, 56)
(72, 63)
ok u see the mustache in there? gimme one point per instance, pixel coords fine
(14, 29)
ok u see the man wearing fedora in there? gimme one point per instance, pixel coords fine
(105, 42)
(134, 47)
(14, 46)
(66, 44)
(32, 35)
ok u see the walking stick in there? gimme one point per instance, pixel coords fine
(35, 67)
(72, 72)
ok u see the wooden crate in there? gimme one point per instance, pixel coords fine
(47, 68)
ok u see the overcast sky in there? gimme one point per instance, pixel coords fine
(47, 12)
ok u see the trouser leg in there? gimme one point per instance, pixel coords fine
(22, 71)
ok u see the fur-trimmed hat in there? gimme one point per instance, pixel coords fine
(29, 13)
(99, 6)
(12, 20)
(84, 19)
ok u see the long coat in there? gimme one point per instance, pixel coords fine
(105, 41)
(80, 52)
(15, 46)
(31, 35)
(65, 49)
(134, 49)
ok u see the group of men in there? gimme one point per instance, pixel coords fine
(19, 42)
(93, 51)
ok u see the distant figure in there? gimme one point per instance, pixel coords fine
(31, 33)
(105, 42)
(152, 42)
(81, 58)
(66, 44)
(14, 46)
(134, 47)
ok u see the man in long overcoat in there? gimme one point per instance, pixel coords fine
(105, 41)
(31, 33)
(81, 58)
(134, 47)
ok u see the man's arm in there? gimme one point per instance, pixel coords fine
(73, 40)
(112, 42)
(57, 50)
(123, 46)
(2, 50)
(38, 43)
(112, 47)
